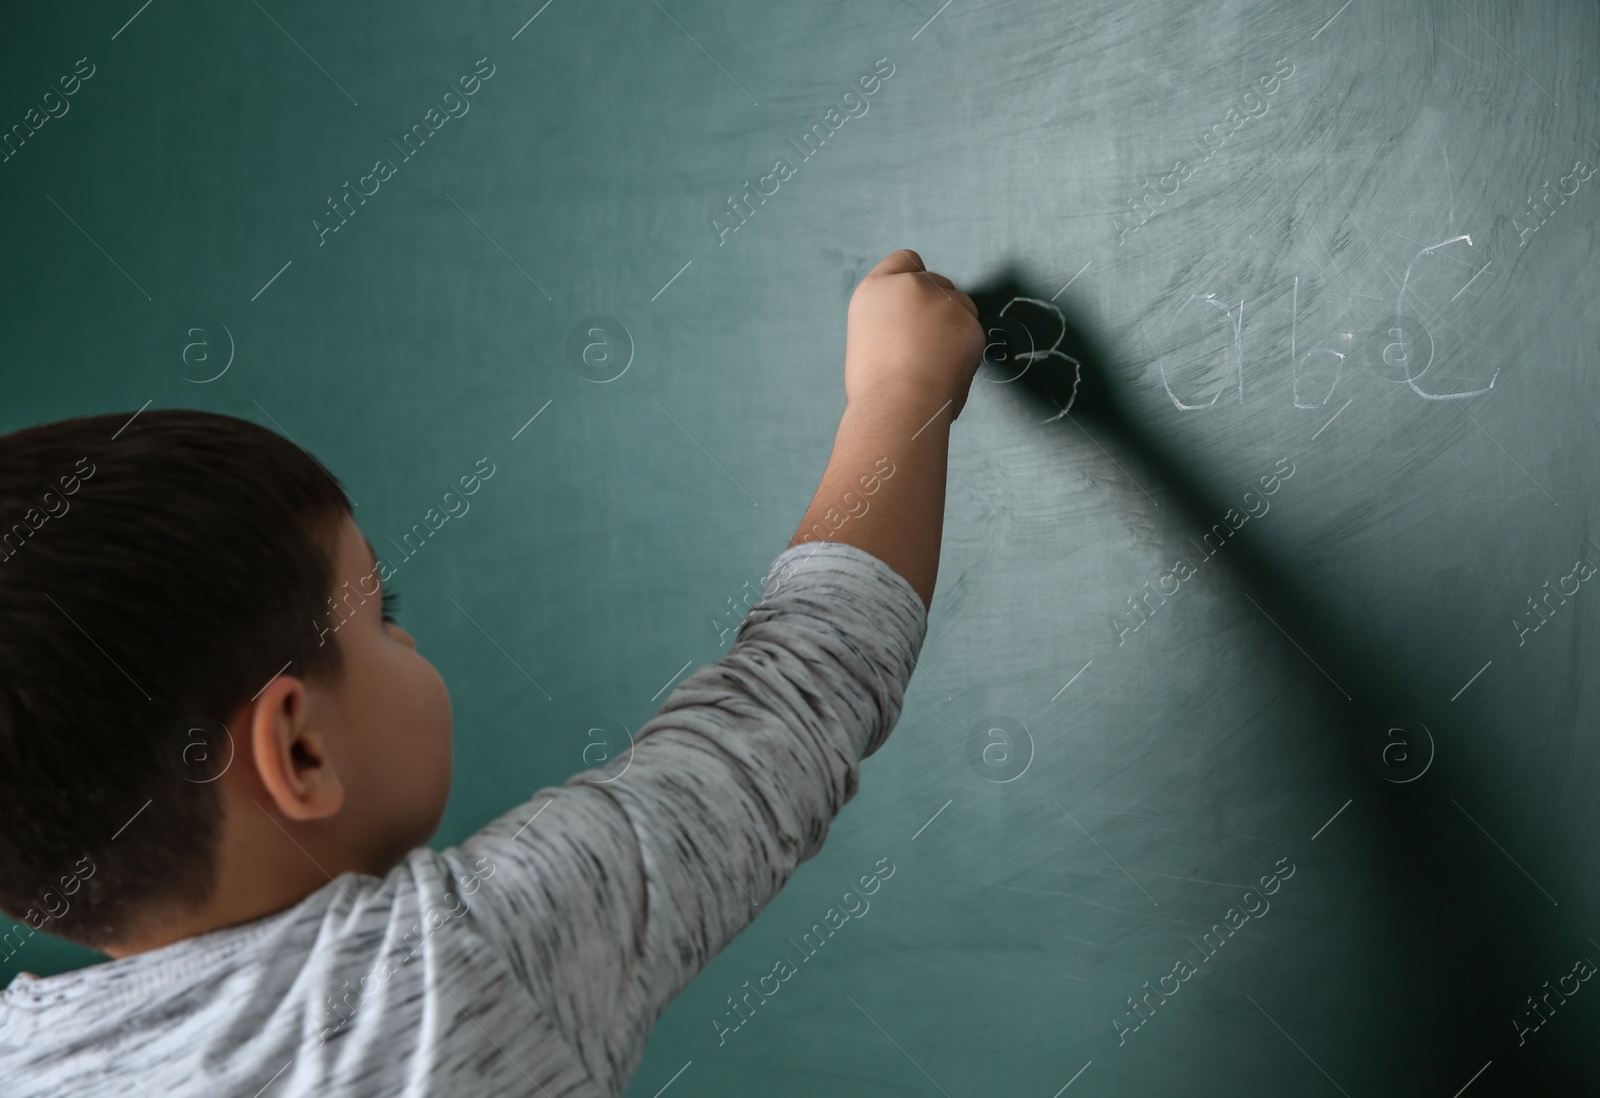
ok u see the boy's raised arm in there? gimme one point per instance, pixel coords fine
(628, 880)
(911, 351)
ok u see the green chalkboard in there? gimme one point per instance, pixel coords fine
(1261, 564)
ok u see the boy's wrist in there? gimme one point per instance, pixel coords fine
(897, 399)
(888, 431)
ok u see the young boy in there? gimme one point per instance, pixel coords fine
(274, 923)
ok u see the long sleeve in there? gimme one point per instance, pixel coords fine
(629, 879)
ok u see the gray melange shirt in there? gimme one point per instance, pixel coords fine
(534, 958)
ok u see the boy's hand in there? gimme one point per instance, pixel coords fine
(911, 332)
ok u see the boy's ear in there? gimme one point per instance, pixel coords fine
(292, 755)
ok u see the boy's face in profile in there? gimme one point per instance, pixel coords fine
(390, 720)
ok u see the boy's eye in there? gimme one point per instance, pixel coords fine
(391, 605)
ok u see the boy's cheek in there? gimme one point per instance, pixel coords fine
(440, 735)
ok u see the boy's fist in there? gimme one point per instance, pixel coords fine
(910, 332)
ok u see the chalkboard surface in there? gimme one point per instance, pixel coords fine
(1253, 746)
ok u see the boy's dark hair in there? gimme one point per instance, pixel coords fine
(154, 576)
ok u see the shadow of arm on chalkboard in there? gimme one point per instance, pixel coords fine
(1430, 863)
(1059, 368)
(1047, 350)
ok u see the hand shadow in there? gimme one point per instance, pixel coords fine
(1467, 951)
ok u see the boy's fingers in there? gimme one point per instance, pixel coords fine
(906, 261)
(966, 302)
(898, 263)
(944, 283)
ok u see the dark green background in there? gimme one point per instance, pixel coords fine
(595, 564)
